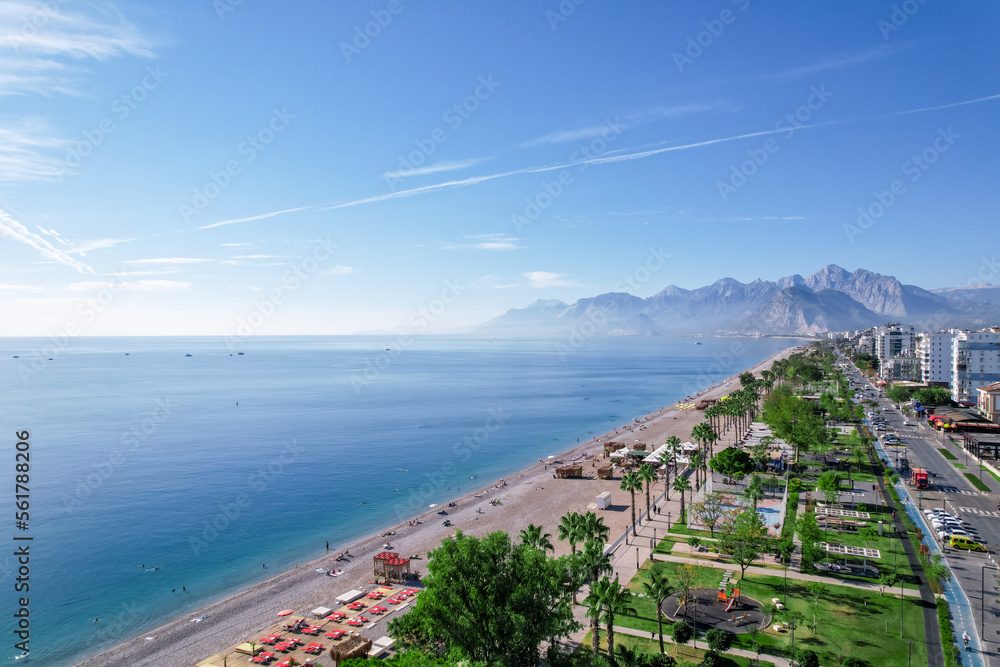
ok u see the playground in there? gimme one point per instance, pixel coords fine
(725, 608)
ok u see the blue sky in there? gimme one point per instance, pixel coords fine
(208, 167)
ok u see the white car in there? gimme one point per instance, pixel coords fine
(945, 534)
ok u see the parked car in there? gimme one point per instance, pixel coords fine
(965, 542)
(945, 534)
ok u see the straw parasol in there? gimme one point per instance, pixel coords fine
(352, 647)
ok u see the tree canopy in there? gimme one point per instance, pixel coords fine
(794, 420)
(490, 599)
(731, 462)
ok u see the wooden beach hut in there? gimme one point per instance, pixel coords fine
(605, 472)
(352, 647)
(569, 472)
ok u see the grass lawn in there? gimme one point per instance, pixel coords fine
(686, 654)
(976, 482)
(851, 622)
(947, 454)
(959, 466)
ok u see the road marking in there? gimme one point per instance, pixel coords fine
(974, 510)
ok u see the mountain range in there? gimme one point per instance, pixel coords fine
(832, 299)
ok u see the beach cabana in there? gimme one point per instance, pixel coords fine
(605, 472)
(388, 564)
(352, 647)
(568, 472)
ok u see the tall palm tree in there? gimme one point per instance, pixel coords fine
(593, 561)
(697, 463)
(533, 536)
(616, 601)
(705, 435)
(658, 588)
(669, 460)
(647, 473)
(595, 612)
(631, 482)
(682, 484)
(570, 529)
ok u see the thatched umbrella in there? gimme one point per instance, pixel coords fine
(355, 646)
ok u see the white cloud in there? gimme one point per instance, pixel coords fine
(434, 168)
(88, 246)
(150, 272)
(486, 242)
(256, 257)
(15, 230)
(42, 29)
(340, 270)
(169, 260)
(137, 286)
(20, 288)
(233, 245)
(547, 279)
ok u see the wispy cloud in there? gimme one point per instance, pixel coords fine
(150, 272)
(838, 62)
(15, 230)
(546, 279)
(135, 285)
(434, 168)
(88, 246)
(27, 148)
(256, 256)
(623, 156)
(339, 270)
(21, 288)
(169, 260)
(485, 242)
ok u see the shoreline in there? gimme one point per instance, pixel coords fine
(244, 614)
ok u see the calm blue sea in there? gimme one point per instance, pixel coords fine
(142, 459)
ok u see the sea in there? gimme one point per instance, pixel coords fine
(161, 473)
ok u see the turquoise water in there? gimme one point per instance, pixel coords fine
(147, 476)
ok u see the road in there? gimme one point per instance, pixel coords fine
(951, 490)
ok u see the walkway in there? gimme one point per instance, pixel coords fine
(778, 662)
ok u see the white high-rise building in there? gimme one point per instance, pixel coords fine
(976, 363)
(936, 353)
(893, 341)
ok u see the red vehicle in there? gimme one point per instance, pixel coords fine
(919, 478)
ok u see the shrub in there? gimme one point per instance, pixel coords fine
(808, 659)
(712, 659)
(794, 484)
(662, 661)
(793, 499)
(854, 662)
(681, 632)
(718, 640)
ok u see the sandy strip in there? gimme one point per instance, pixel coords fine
(530, 496)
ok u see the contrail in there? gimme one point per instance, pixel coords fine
(639, 155)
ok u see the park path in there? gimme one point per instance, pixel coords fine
(778, 662)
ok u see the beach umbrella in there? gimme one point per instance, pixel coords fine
(285, 612)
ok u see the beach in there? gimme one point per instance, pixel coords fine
(530, 496)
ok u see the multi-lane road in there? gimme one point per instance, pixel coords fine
(950, 489)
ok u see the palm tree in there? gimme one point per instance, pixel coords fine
(533, 536)
(659, 589)
(631, 482)
(754, 491)
(669, 460)
(697, 463)
(615, 600)
(592, 527)
(682, 484)
(595, 609)
(648, 475)
(593, 562)
(570, 529)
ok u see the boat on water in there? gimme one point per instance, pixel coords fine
(697, 342)
(240, 354)
(187, 355)
(16, 356)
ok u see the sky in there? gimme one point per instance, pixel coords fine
(234, 167)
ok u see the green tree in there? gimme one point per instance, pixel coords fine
(731, 461)
(696, 461)
(710, 510)
(886, 580)
(794, 420)
(533, 536)
(594, 528)
(744, 540)
(631, 482)
(681, 633)
(809, 659)
(682, 485)
(491, 599)
(809, 534)
(657, 588)
(794, 620)
(829, 484)
(933, 396)
(899, 394)
(669, 462)
(817, 589)
(754, 492)
(868, 534)
(705, 435)
(719, 640)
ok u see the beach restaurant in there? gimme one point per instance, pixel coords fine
(389, 565)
